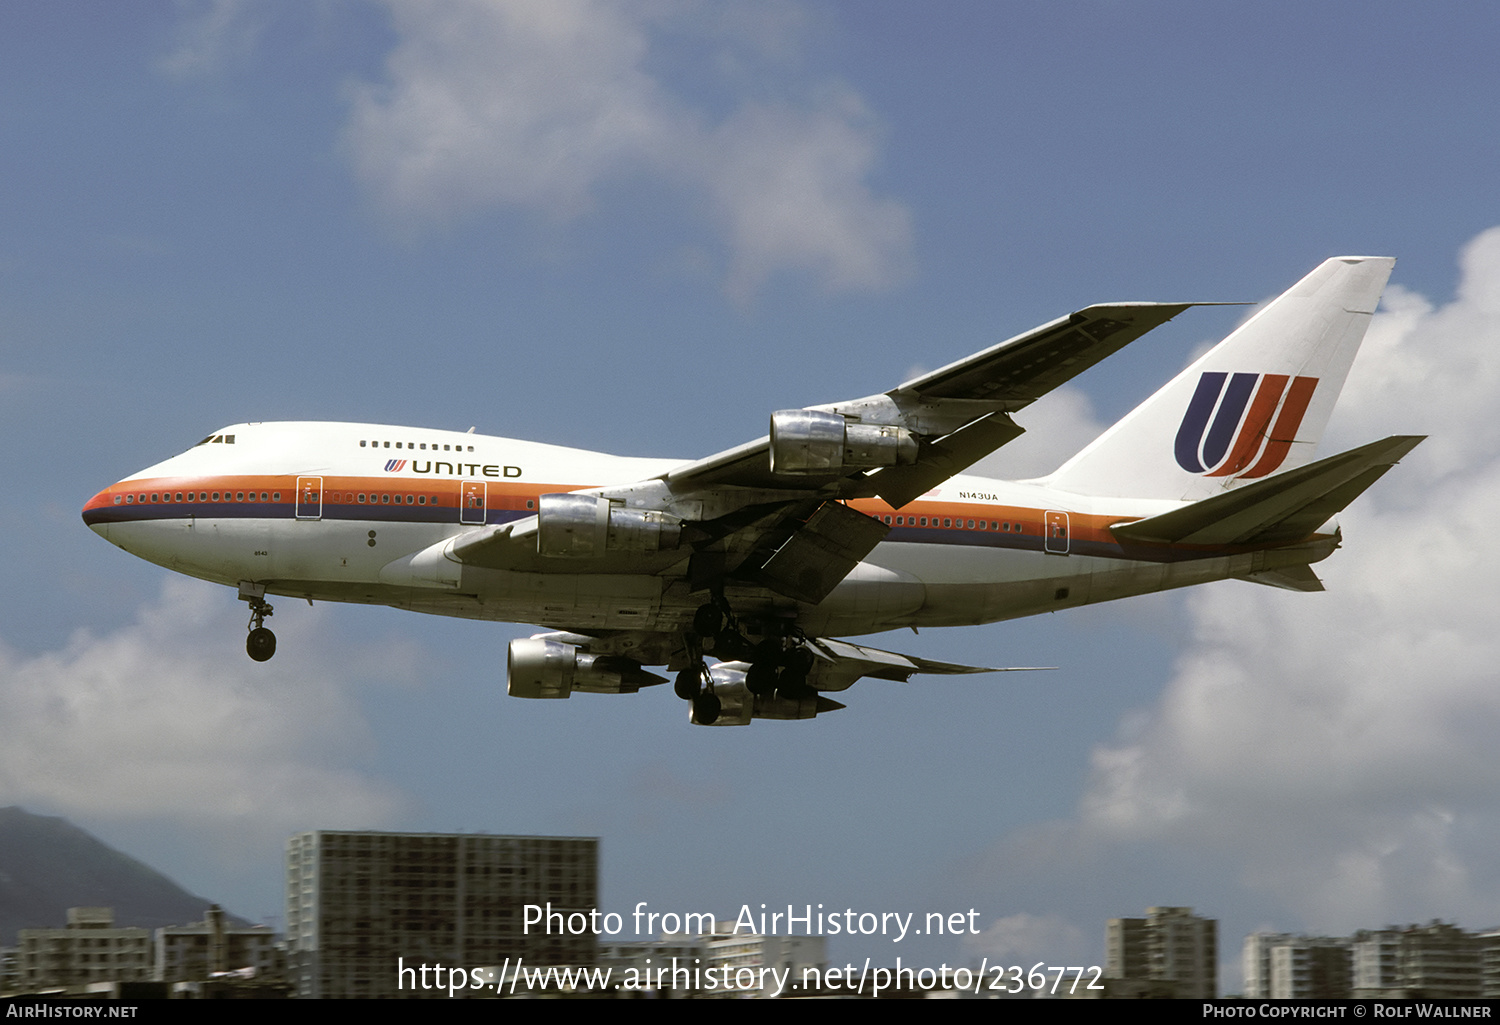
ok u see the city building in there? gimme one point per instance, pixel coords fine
(1435, 961)
(1255, 962)
(1170, 944)
(732, 951)
(191, 953)
(88, 950)
(360, 905)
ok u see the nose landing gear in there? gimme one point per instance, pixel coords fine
(261, 644)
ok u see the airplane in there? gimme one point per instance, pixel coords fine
(737, 571)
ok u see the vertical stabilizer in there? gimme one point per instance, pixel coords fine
(1253, 405)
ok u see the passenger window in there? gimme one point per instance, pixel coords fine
(130, 500)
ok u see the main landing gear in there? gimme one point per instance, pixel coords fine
(689, 685)
(775, 667)
(261, 644)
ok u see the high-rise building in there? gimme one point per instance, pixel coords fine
(1442, 961)
(1170, 945)
(1255, 961)
(360, 904)
(1436, 960)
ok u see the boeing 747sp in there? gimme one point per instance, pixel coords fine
(736, 572)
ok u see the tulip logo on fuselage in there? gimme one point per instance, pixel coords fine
(1218, 438)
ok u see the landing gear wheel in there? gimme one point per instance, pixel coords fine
(261, 644)
(760, 678)
(799, 661)
(689, 682)
(706, 708)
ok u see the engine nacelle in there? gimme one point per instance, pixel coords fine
(811, 441)
(737, 706)
(573, 526)
(541, 668)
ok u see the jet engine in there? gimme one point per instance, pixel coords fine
(737, 706)
(573, 526)
(540, 668)
(808, 441)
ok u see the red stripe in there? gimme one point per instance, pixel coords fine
(1285, 431)
(1253, 432)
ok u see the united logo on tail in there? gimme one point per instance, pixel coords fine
(1208, 442)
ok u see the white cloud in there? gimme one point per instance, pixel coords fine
(493, 103)
(1337, 749)
(1058, 426)
(1023, 939)
(162, 719)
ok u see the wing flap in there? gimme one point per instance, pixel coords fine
(822, 552)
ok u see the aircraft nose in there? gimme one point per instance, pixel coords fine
(97, 512)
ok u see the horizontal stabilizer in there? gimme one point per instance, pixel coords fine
(1289, 578)
(840, 663)
(1277, 510)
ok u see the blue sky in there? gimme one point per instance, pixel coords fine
(640, 227)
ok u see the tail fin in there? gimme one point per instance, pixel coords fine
(1255, 404)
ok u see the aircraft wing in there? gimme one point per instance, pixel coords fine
(771, 512)
(956, 414)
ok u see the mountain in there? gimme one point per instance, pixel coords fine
(48, 865)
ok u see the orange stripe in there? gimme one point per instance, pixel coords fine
(1285, 431)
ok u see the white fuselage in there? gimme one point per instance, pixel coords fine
(359, 513)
